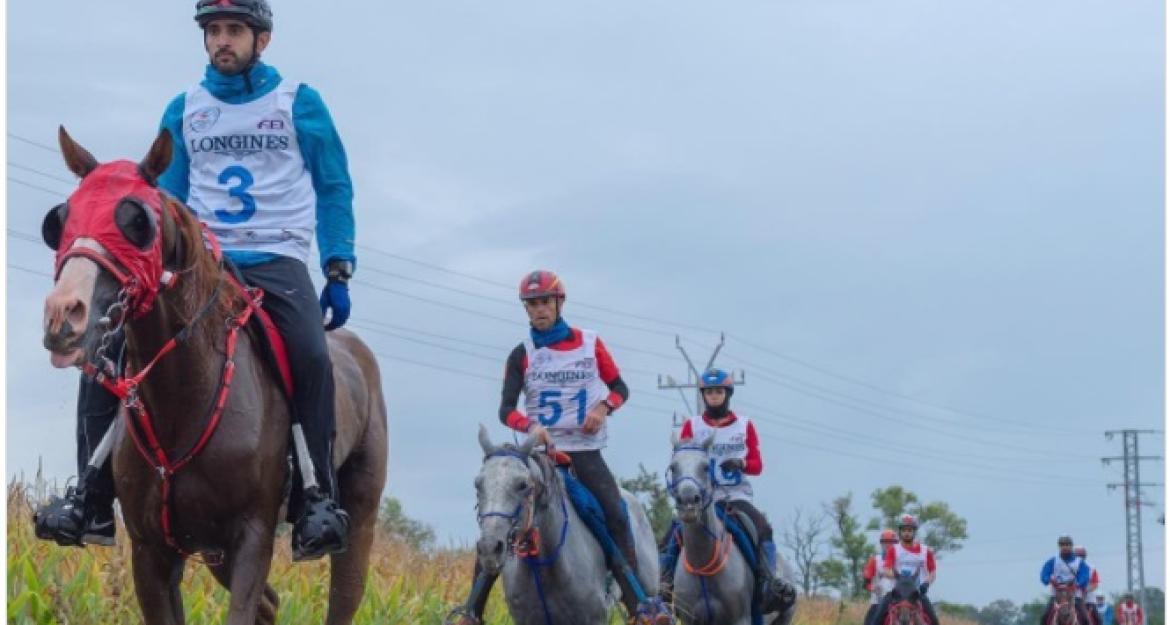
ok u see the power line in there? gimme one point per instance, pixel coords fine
(36, 143)
(37, 187)
(758, 347)
(42, 173)
(781, 377)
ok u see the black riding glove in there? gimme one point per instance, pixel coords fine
(732, 465)
(923, 588)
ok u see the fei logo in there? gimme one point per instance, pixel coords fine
(270, 124)
(204, 118)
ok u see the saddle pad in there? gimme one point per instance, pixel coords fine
(590, 511)
(742, 539)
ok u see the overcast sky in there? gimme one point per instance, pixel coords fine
(932, 230)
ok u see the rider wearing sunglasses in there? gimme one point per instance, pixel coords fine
(736, 451)
(257, 157)
(571, 386)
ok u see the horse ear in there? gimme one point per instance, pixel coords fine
(707, 442)
(158, 158)
(485, 441)
(674, 439)
(77, 158)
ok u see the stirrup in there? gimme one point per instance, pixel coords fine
(62, 519)
(461, 616)
(322, 530)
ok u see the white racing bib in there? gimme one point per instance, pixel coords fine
(560, 387)
(730, 442)
(248, 179)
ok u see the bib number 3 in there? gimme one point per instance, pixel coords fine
(243, 181)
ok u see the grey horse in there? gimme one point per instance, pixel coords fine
(713, 582)
(564, 580)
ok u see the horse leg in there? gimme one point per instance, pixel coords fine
(360, 484)
(157, 573)
(248, 566)
(269, 603)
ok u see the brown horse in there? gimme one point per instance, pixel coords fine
(226, 501)
(907, 607)
(1063, 606)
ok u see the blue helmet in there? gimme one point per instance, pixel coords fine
(713, 377)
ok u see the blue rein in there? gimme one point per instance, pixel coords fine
(534, 563)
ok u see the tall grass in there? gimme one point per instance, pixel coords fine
(48, 584)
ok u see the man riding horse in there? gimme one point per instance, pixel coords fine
(908, 555)
(258, 159)
(571, 386)
(736, 452)
(1066, 568)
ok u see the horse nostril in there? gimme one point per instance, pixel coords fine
(77, 315)
(499, 547)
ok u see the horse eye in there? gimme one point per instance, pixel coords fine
(54, 225)
(134, 220)
(522, 486)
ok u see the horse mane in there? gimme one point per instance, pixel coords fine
(197, 270)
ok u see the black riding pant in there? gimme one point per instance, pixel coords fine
(289, 298)
(763, 527)
(594, 473)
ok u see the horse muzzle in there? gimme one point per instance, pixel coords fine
(491, 552)
(64, 347)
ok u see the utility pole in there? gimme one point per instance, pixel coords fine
(1132, 485)
(693, 377)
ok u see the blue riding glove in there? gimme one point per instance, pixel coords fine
(335, 295)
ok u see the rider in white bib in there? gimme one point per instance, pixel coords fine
(736, 454)
(1129, 612)
(909, 555)
(1091, 606)
(571, 386)
(1066, 567)
(257, 157)
(876, 584)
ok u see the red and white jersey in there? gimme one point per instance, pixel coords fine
(1130, 614)
(916, 559)
(878, 585)
(560, 387)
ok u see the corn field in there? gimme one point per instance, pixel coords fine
(51, 585)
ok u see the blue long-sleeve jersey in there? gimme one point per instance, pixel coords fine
(321, 149)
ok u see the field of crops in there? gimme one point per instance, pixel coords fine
(53, 585)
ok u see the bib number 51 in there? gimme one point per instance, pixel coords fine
(552, 400)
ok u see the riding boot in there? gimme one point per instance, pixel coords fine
(323, 528)
(471, 612)
(774, 593)
(85, 514)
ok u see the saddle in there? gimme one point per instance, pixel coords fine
(272, 343)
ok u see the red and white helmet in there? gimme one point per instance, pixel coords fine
(908, 520)
(541, 283)
(888, 536)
